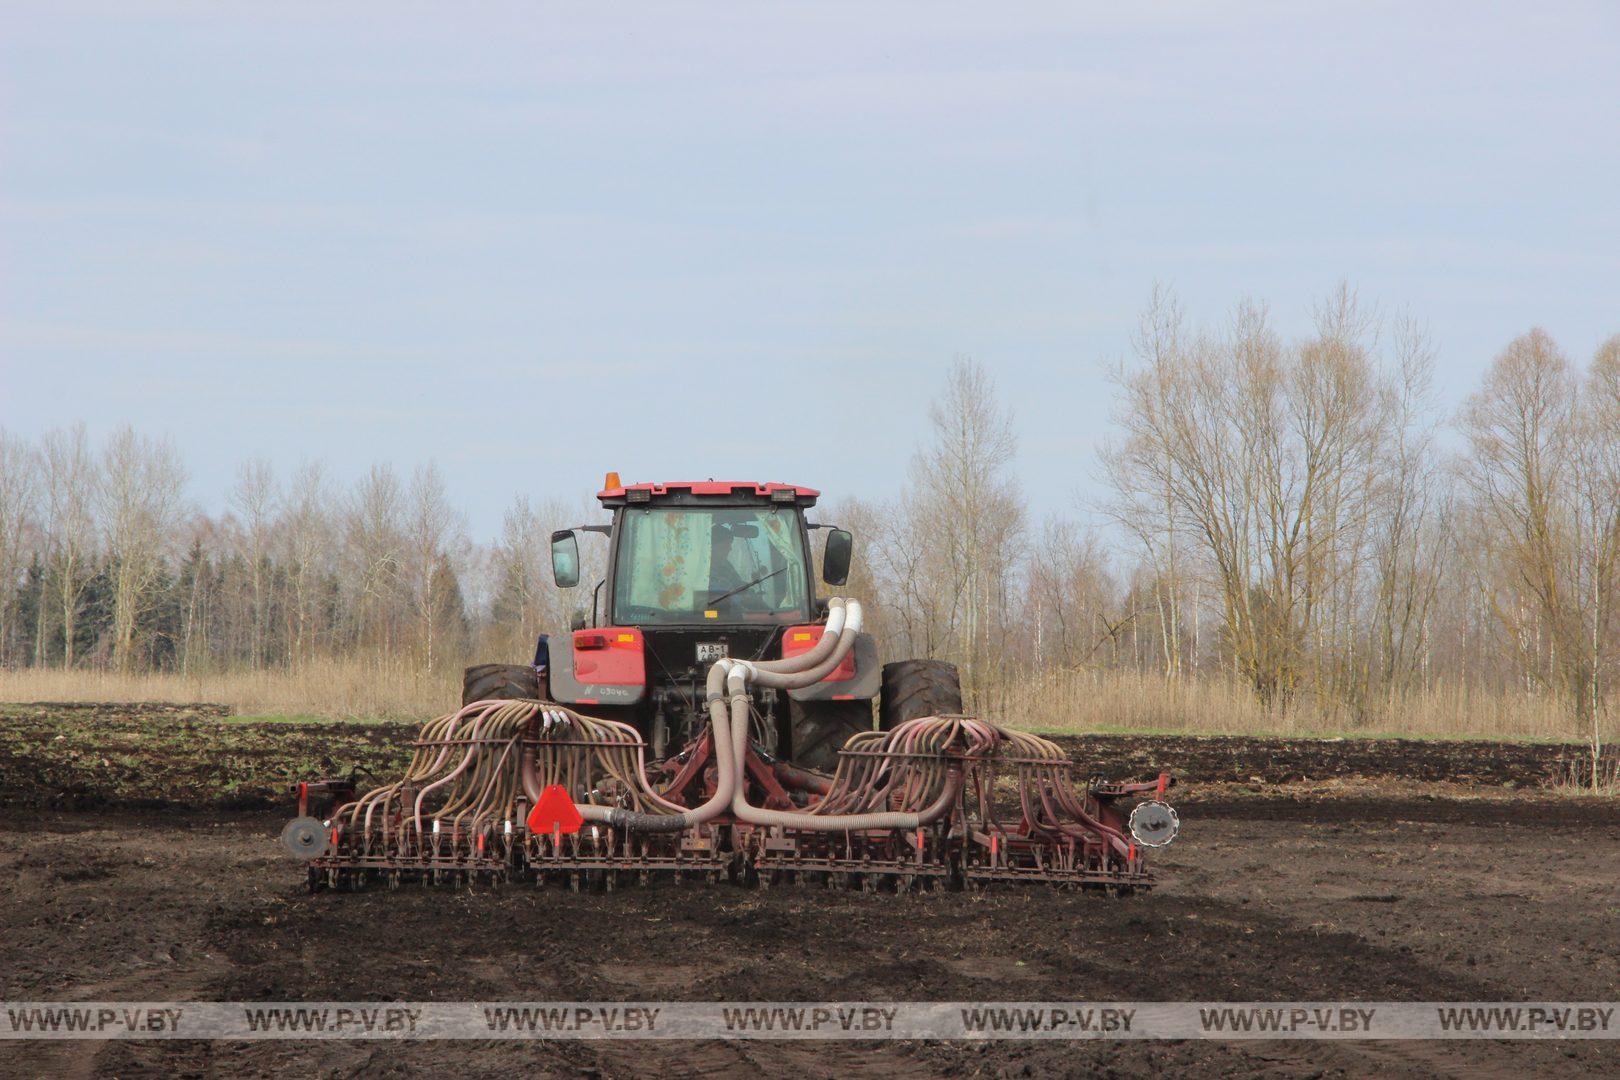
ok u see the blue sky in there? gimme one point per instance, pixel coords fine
(535, 242)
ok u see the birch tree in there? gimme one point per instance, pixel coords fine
(964, 516)
(141, 496)
(305, 530)
(70, 528)
(253, 497)
(374, 550)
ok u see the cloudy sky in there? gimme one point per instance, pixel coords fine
(538, 241)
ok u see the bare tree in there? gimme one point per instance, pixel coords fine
(254, 497)
(304, 528)
(1153, 518)
(374, 547)
(141, 497)
(19, 491)
(197, 595)
(1270, 454)
(430, 525)
(965, 515)
(1598, 525)
(524, 601)
(518, 574)
(70, 528)
(1543, 479)
(1069, 593)
(1411, 544)
(900, 559)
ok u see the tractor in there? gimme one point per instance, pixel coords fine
(698, 572)
(708, 715)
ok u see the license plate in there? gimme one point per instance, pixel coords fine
(711, 650)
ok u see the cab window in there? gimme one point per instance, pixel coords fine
(744, 563)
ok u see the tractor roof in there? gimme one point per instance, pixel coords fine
(683, 490)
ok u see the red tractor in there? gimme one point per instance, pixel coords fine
(699, 571)
(711, 716)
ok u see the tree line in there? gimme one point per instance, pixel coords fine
(103, 563)
(1300, 516)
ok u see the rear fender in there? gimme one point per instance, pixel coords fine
(863, 686)
(622, 680)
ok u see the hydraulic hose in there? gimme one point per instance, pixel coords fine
(780, 675)
(729, 710)
(795, 672)
(757, 815)
(725, 681)
(838, 610)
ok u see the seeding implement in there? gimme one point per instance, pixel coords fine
(720, 723)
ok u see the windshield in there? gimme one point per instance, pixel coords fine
(743, 564)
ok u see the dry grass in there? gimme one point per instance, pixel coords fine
(1051, 701)
(1087, 700)
(341, 689)
(1580, 778)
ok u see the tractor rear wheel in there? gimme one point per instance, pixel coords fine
(820, 729)
(499, 682)
(914, 688)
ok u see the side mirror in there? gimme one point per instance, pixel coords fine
(835, 557)
(565, 558)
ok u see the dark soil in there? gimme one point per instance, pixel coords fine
(1243, 759)
(155, 756)
(149, 756)
(1297, 895)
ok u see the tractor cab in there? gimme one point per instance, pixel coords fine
(698, 571)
